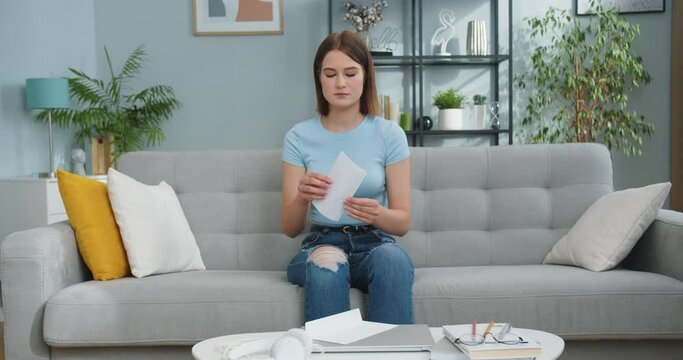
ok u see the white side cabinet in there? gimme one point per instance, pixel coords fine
(28, 202)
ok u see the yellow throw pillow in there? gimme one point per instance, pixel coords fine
(98, 237)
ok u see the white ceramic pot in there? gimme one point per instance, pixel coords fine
(450, 119)
(479, 116)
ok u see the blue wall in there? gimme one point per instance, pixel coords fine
(240, 91)
(38, 38)
(237, 91)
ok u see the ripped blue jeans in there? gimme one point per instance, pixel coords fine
(330, 262)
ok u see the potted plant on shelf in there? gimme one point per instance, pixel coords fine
(581, 81)
(113, 121)
(450, 104)
(479, 110)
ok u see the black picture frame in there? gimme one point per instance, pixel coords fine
(623, 6)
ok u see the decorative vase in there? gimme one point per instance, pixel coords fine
(450, 119)
(479, 115)
(364, 36)
(102, 154)
(476, 38)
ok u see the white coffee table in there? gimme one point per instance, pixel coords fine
(212, 349)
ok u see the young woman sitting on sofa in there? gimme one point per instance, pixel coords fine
(357, 250)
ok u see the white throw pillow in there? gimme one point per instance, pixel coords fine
(154, 230)
(607, 232)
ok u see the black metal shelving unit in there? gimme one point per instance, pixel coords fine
(417, 61)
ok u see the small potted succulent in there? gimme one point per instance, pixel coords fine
(479, 110)
(450, 103)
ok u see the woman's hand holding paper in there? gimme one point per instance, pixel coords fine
(363, 209)
(313, 186)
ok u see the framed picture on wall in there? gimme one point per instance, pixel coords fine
(237, 17)
(623, 6)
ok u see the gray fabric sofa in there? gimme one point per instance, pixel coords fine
(483, 220)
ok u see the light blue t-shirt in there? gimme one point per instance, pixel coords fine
(373, 144)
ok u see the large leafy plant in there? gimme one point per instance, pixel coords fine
(580, 82)
(133, 120)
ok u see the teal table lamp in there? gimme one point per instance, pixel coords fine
(48, 93)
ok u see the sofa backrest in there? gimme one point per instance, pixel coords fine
(470, 205)
(500, 205)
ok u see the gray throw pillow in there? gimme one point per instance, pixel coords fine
(606, 233)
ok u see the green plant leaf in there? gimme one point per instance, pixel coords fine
(579, 80)
(449, 99)
(133, 119)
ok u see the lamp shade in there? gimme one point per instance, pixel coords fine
(47, 93)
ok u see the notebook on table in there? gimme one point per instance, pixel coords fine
(527, 348)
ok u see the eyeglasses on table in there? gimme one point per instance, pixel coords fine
(477, 339)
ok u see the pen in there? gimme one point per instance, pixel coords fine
(488, 328)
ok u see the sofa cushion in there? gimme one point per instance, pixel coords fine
(610, 228)
(184, 308)
(174, 309)
(568, 301)
(99, 241)
(153, 227)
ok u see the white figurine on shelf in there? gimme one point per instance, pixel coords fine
(446, 32)
(78, 159)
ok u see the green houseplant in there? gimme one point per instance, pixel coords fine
(582, 79)
(449, 99)
(105, 111)
(479, 110)
(449, 103)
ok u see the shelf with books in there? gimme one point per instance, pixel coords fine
(411, 69)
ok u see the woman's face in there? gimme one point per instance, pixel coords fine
(342, 80)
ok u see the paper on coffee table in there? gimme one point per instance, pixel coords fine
(344, 328)
(346, 178)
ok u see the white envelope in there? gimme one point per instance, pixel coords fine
(346, 178)
(344, 328)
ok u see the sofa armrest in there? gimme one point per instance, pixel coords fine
(36, 264)
(661, 248)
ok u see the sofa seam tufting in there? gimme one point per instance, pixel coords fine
(488, 195)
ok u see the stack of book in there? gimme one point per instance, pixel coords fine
(491, 349)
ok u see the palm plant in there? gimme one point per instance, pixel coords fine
(132, 120)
